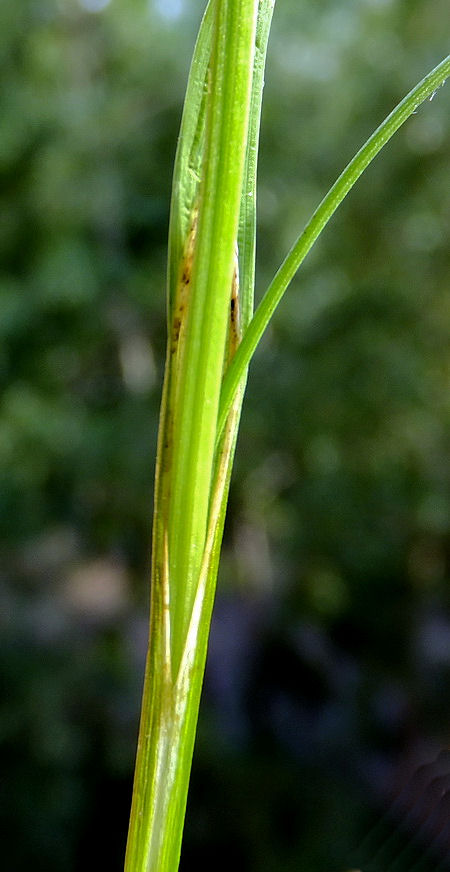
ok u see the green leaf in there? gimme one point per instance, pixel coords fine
(423, 90)
(190, 150)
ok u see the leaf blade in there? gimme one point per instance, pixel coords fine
(324, 212)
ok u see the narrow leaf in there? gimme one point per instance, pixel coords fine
(425, 89)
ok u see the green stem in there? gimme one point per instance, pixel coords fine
(192, 479)
(313, 229)
(201, 369)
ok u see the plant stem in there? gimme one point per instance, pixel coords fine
(192, 477)
(201, 369)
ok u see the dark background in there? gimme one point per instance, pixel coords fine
(329, 667)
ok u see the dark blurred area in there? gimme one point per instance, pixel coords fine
(328, 677)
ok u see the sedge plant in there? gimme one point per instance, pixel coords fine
(211, 338)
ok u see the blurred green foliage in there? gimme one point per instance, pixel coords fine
(330, 657)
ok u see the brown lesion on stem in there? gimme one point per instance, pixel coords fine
(235, 333)
(184, 280)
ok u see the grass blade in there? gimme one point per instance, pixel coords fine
(423, 90)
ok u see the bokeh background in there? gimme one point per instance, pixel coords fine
(329, 667)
